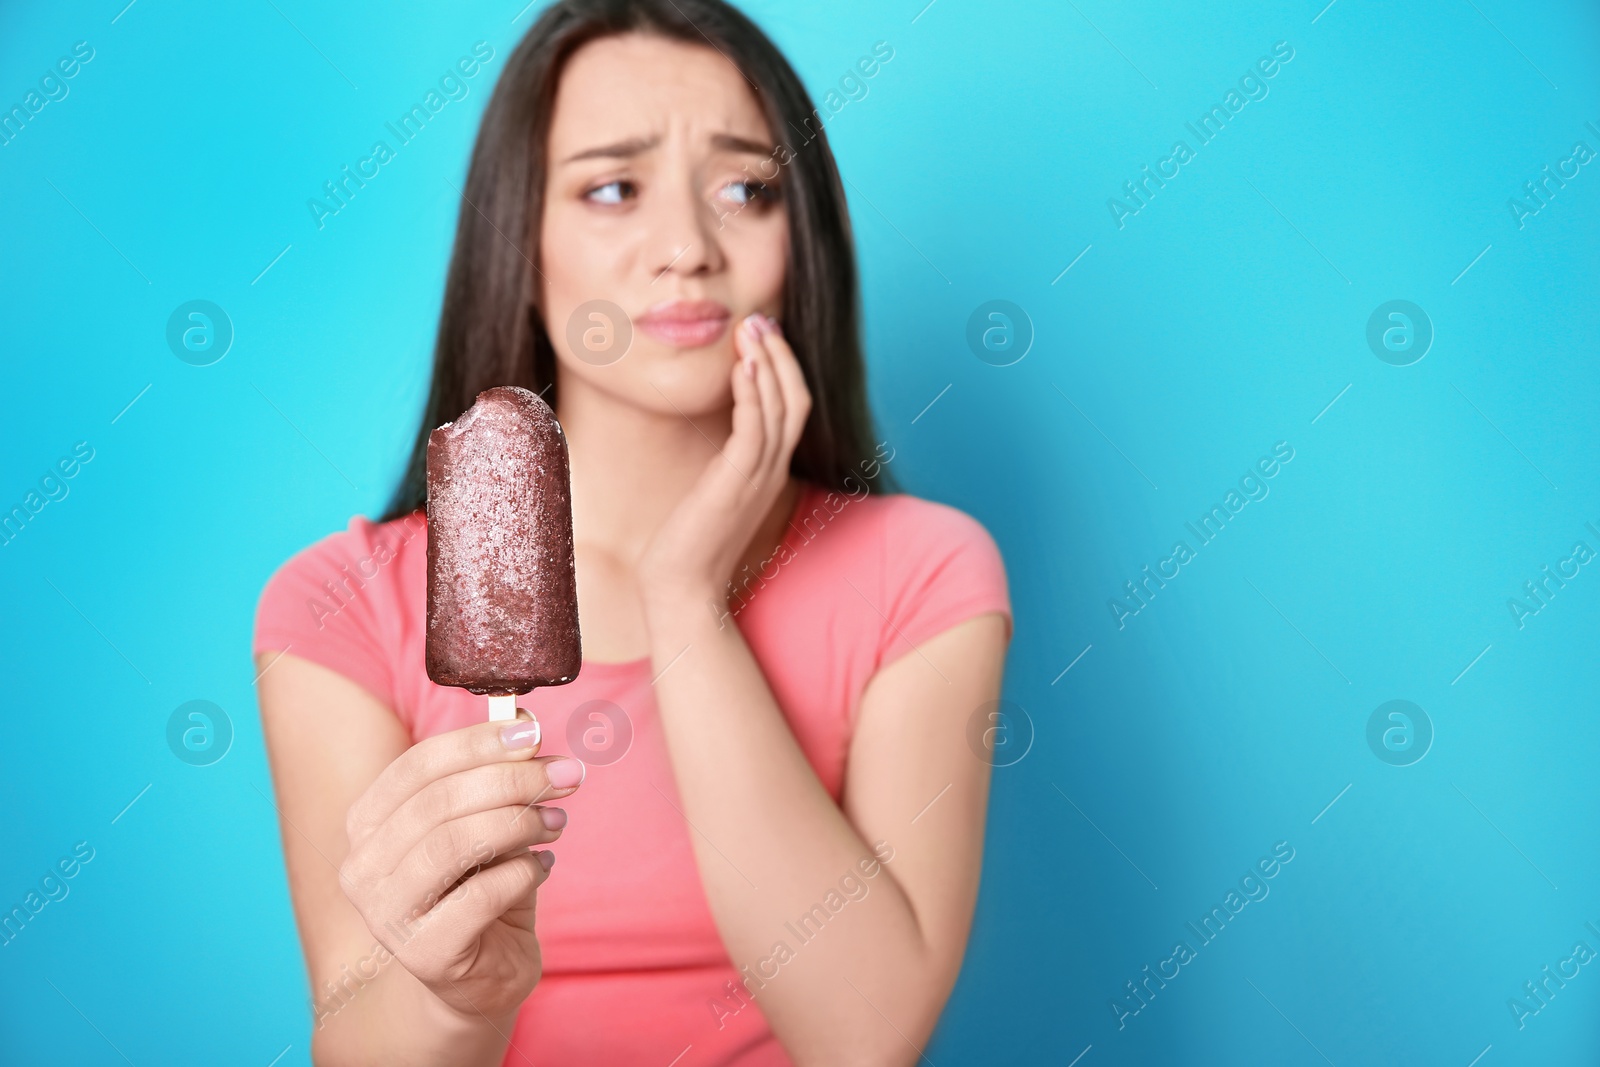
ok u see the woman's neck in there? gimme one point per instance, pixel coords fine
(631, 466)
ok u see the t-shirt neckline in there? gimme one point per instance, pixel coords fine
(791, 534)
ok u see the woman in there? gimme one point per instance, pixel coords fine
(777, 859)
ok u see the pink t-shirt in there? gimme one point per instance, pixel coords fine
(634, 969)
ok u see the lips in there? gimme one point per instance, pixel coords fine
(685, 323)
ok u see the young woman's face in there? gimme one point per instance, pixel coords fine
(662, 199)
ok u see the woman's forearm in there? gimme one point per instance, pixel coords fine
(393, 1019)
(850, 983)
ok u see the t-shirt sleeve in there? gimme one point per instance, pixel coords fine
(316, 606)
(943, 568)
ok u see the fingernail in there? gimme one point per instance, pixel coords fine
(565, 773)
(752, 324)
(772, 324)
(520, 734)
(547, 859)
(553, 818)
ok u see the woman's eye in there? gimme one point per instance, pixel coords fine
(747, 192)
(611, 192)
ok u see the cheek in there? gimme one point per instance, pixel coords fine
(574, 266)
(758, 259)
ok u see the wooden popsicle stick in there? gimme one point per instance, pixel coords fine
(503, 709)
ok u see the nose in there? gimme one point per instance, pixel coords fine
(682, 238)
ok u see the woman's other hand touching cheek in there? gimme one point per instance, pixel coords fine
(703, 540)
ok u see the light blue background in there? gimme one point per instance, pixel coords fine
(1223, 318)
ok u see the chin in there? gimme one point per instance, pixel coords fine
(691, 381)
(694, 380)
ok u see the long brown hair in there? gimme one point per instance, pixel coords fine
(491, 329)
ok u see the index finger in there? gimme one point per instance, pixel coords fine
(437, 757)
(792, 382)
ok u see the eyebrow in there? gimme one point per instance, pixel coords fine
(729, 142)
(619, 150)
(633, 146)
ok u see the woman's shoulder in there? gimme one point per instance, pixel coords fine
(358, 555)
(345, 600)
(924, 565)
(914, 525)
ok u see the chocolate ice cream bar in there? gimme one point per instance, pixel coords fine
(502, 585)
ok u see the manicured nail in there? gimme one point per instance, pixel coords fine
(547, 859)
(553, 818)
(566, 773)
(773, 327)
(752, 324)
(520, 734)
